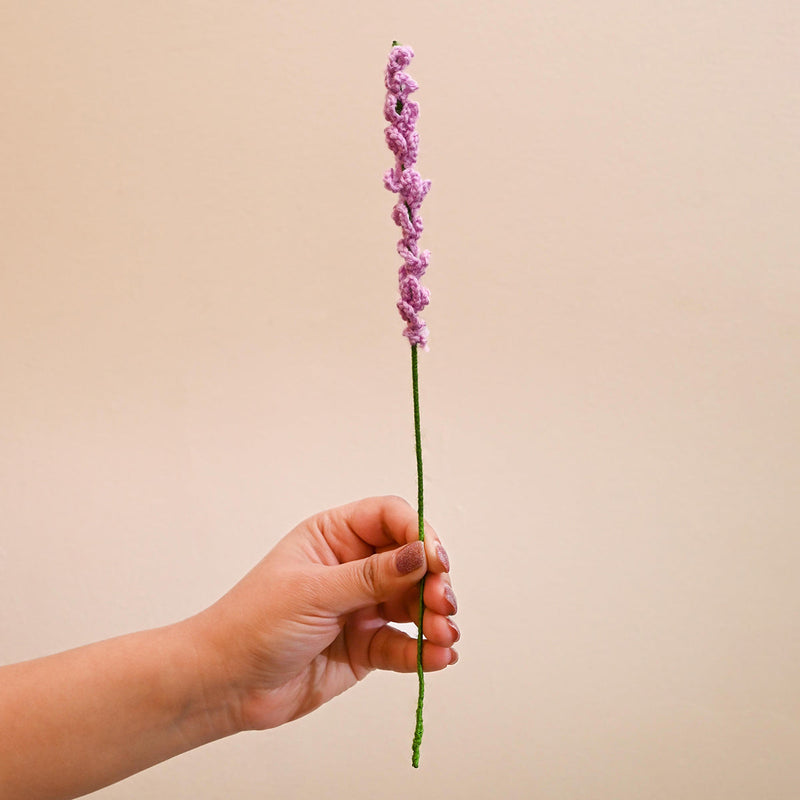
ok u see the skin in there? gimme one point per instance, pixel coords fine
(305, 624)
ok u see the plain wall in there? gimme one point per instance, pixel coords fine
(199, 348)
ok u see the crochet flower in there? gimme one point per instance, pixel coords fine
(403, 140)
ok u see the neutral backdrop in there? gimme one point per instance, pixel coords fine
(199, 348)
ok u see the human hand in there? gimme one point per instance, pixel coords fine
(312, 618)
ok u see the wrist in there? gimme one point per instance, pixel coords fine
(208, 708)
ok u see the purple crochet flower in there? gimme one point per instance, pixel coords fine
(403, 141)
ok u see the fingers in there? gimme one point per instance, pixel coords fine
(437, 628)
(438, 560)
(371, 581)
(394, 650)
(439, 595)
(387, 576)
(440, 604)
(440, 630)
(357, 529)
(439, 598)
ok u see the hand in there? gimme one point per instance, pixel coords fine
(307, 623)
(311, 619)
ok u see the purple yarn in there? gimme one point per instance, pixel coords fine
(403, 141)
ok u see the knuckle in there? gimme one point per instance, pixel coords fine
(370, 575)
(396, 499)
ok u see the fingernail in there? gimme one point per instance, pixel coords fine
(442, 553)
(453, 627)
(450, 596)
(410, 558)
(453, 657)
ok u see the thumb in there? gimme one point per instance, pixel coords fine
(372, 580)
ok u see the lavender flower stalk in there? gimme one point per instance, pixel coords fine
(403, 141)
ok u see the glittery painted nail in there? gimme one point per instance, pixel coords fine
(442, 554)
(450, 596)
(410, 558)
(454, 628)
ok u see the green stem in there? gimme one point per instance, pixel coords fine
(421, 521)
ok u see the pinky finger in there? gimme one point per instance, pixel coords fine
(394, 650)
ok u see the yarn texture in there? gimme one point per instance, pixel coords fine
(404, 180)
(403, 140)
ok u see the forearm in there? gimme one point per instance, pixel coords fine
(76, 721)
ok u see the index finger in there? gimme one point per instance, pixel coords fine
(358, 529)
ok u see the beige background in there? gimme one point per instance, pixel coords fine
(198, 348)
